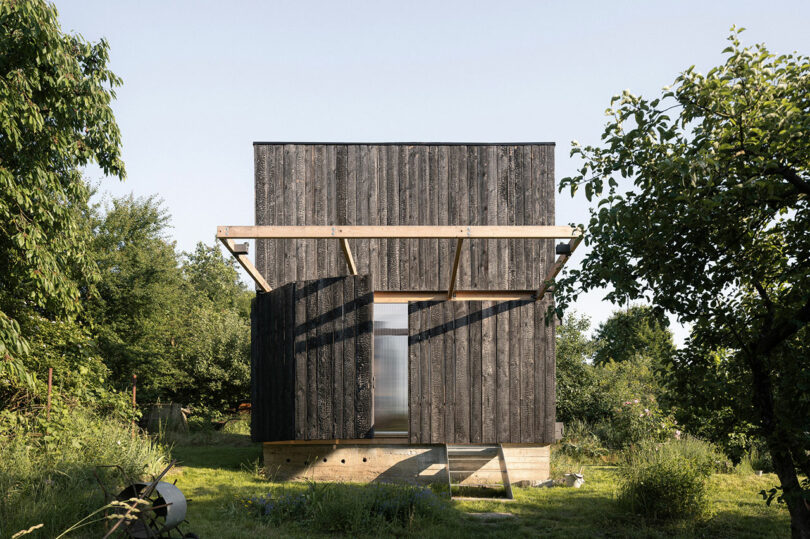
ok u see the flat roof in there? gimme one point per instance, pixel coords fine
(262, 143)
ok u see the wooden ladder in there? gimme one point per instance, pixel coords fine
(464, 460)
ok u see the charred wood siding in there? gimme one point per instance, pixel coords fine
(475, 376)
(479, 372)
(390, 184)
(311, 361)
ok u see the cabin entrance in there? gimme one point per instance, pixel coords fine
(390, 370)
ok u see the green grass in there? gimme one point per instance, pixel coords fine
(217, 477)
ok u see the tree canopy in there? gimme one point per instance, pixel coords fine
(55, 117)
(703, 210)
(636, 331)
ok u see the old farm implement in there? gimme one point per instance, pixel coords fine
(145, 510)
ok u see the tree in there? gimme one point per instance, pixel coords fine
(142, 299)
(575, 377)
(632, 332)
(704, 212)
(55, 117)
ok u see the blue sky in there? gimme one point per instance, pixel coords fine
(203, 80)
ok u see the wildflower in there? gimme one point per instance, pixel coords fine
(677, 435)
(626, 403)
(647, 411)
(635, 401)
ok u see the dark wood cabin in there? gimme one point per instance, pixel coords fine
(478, 371)
(399, 329)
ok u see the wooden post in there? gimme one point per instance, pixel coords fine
(134, 387)
(50, 387)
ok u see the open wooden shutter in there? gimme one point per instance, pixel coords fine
(311, 360)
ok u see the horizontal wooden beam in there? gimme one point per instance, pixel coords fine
(372, 232)
(405, 296)
(245, 262)
(548, 282)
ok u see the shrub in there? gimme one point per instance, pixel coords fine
(350, 509)
(668, 481)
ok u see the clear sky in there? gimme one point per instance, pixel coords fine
(203, 80)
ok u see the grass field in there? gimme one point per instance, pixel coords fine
(217, 476)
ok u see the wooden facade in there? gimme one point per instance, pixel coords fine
(479, 371)
(406, 184)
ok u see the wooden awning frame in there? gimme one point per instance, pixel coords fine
(226, 234)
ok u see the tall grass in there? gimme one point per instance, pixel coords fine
(666, 481)
(47, 478)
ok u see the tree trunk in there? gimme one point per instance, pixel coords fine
(779, 449)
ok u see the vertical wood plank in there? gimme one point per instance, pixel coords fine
(476, 408)
(334, 259)
(440, 180)
(289, 361)
(527, 395)
(312, 359)
(540, 351)
(490, 182)
(352, 180)
(502, 373)
(381, 213)
(502, 216)
(262, 163)
(488, 377)
(318, 164)
(393, 194)
(322, 332)
(404, 216)
(449, 356)
(414, 169)
(338, 329)
(364, 179)
(550, 394)
(462, 382)
(471, 192)
(300, 330)
(465, 212)
(349, 378)
(371, 215)
(291, 207)
(364, 348)
(414, 377)
(425, 374)
(275, 356)
(513, 308)
(437, 380)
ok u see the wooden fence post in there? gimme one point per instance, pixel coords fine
(134, 387)
(50, 387)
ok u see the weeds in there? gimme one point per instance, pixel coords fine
(52, 482)
(351, 509)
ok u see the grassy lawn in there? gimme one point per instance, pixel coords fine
(216, 477)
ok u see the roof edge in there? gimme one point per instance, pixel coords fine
(279, 143)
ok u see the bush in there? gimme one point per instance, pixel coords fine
(351, 509)
(668, 481)
(46, 474)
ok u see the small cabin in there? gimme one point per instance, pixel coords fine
(401, 311)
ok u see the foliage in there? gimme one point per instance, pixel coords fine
(46, 473)
(55, 117)
(181, 323)
(704, 213)
(636, 331)
(662, 482)
(350, 509)
(637, 421)
(575, 376)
